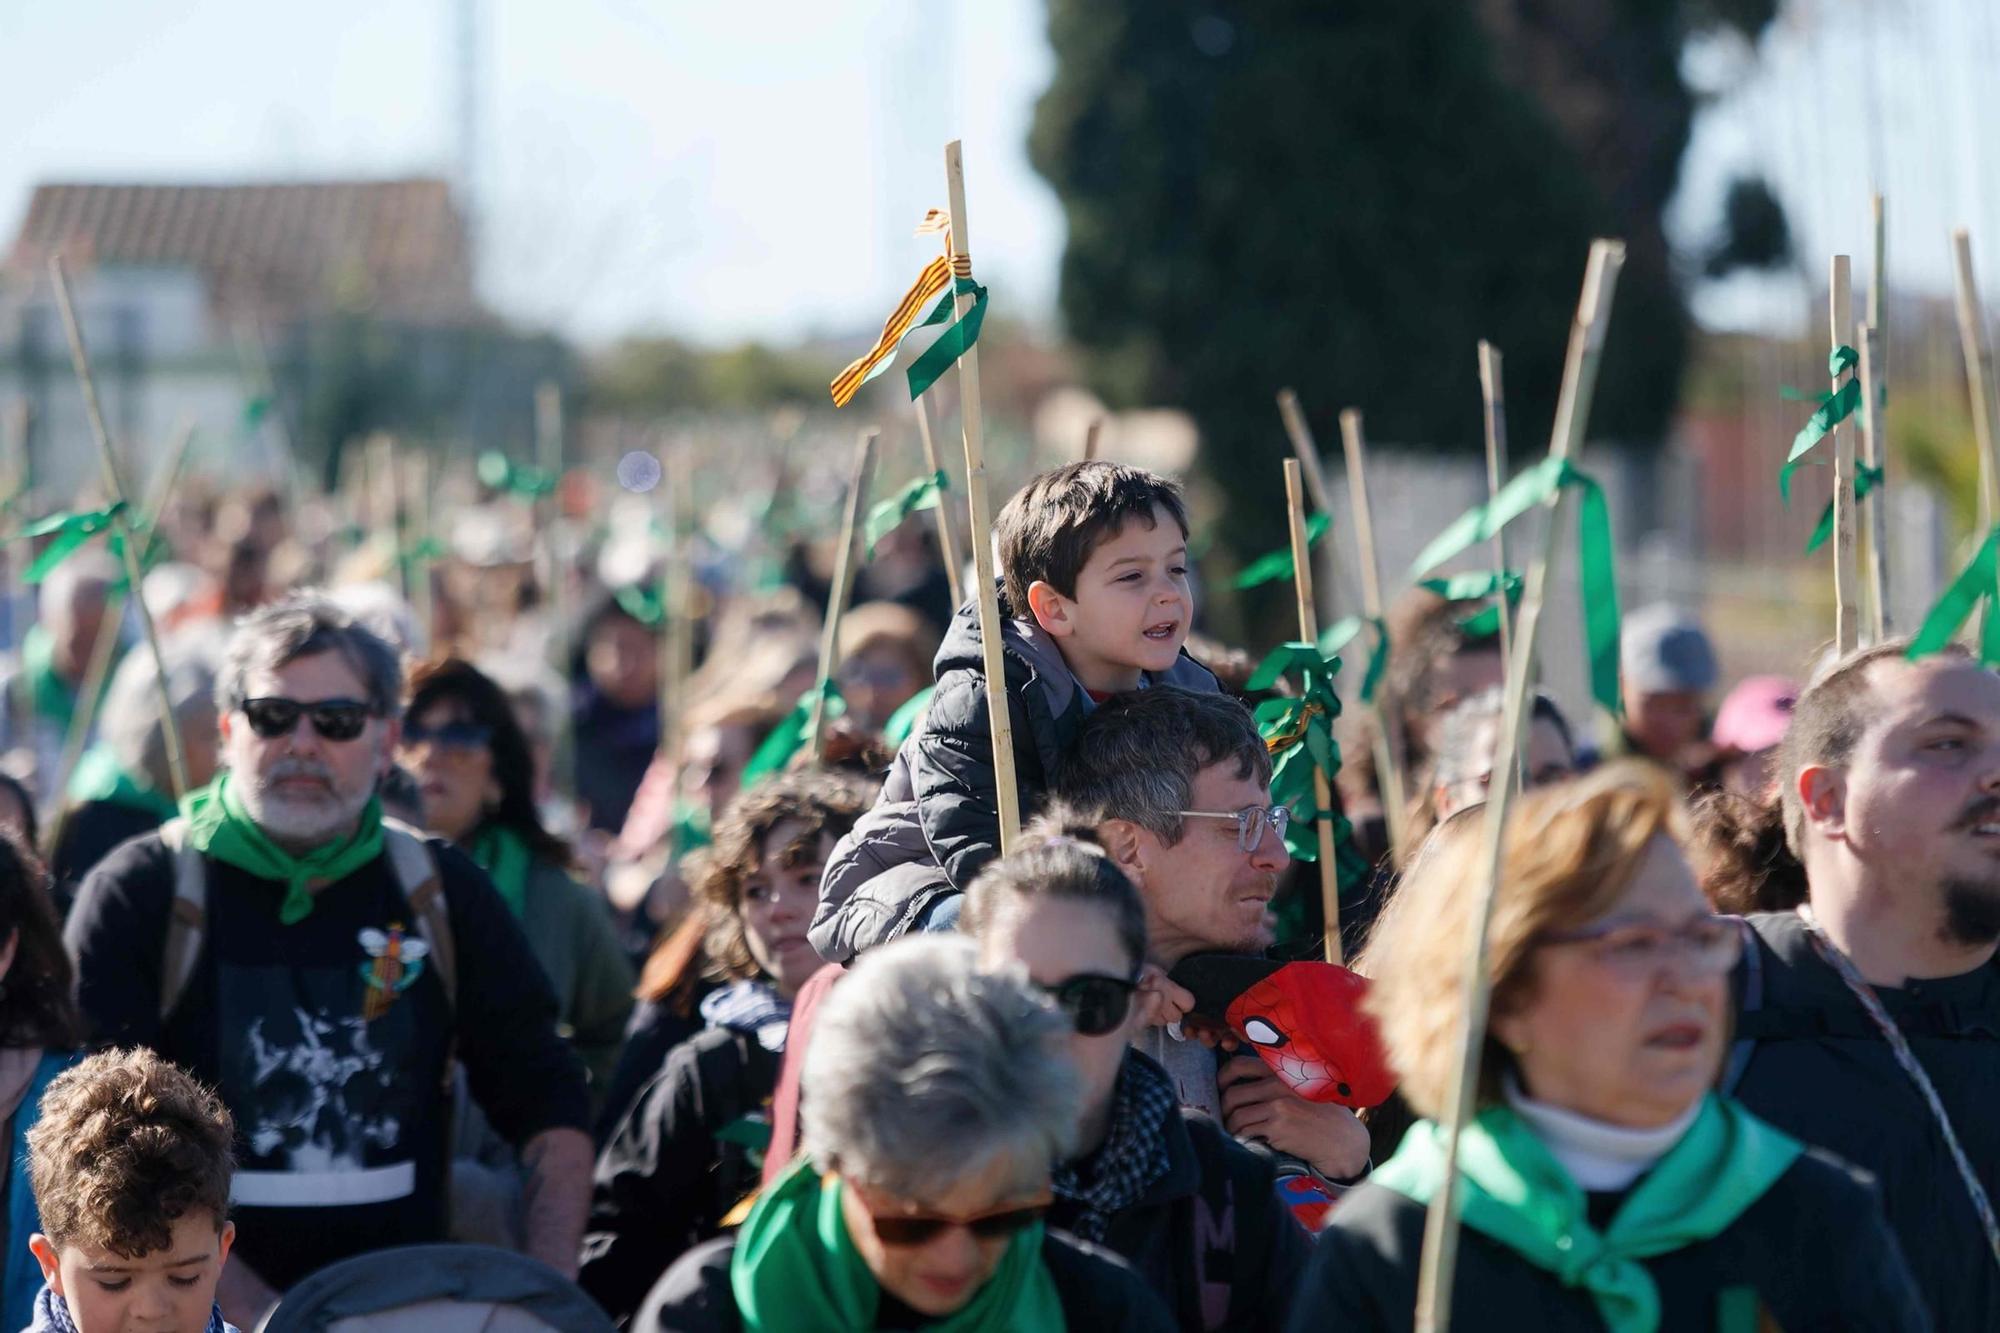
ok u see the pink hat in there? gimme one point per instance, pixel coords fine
(1756, 713)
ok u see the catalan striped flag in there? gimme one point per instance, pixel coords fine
(932, 281)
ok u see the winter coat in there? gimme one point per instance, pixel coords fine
(937, 822)
(569, 927)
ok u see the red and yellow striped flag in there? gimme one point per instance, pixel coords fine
(933, 280)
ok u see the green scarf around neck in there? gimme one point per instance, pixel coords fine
(219, 826)
(795, 1270)
(1514, 1192)
(100, 777)
(505, 858)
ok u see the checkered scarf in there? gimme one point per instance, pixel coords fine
(1132, 1156)
(52, 1313)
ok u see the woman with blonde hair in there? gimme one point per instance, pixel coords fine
(1604, 1184)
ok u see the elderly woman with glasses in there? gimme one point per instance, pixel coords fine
(937, 1100)
(1604, 1184)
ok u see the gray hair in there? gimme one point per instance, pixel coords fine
(304, 625)
(90, 569)
(129, 718)
(924, 1071)
(1135, 757)
(1457, 755)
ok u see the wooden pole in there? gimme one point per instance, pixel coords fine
(845, 562)
(1586, 346)
(548, 515)
(134, 573)
(947, 530)
(1388, 716)
(1333, 593)
(1874, 518)
(1846, 610)
(1493, 403)
(1302, 581)
(1978, 355)
(423, 603)
(1007, 793)
(676, 591)
(1091, 439)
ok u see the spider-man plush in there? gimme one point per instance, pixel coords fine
(1304, 1019)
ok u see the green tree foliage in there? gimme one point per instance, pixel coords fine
(654, 375)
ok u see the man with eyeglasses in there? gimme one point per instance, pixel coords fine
(326, 972)
(1177, 783)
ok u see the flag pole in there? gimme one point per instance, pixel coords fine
(1388, 713)
(134, 572)
(1091, 439)
(1302, 583)
(1846, 619)
(422, 599)
(676, 591)
(548, 509)
(947, 531)
(1299, 432)
(1978, 374)
(1586, 346)
(1875, 518)
(843, 587)
(1007, 794)
(1493, 406)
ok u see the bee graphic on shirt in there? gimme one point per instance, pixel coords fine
(396, 960)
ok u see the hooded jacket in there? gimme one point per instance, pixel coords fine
(937, 821)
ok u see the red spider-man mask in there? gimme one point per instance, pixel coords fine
(1303, 1019)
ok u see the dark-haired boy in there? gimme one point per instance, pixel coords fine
(130, 1163)
(1094, 601)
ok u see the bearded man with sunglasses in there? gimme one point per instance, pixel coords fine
(326, 972)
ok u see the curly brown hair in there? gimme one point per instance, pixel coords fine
(1746, 866)
(127, 1144)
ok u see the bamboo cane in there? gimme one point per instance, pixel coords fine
(1332, 590)
(1302, 582)
(1388, 716)
(423, 604)
(676, 593)
(1091, 439)
(14, 484)
(1978, 355)
(548, 513)
(1875, 518)
(134, 573)
(1846, 617)
(1493, 404)
(1586, 346)
(845, 563)
(1008, 795)
(947, 530)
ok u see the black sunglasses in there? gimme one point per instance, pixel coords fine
(1096, 1003)
(449, 736)
(914, 1231)
(333, 719)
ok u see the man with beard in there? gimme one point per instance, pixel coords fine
(1870, 1018)
(1177, 782)
(326, 972)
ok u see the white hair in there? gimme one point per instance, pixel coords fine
(129, 718)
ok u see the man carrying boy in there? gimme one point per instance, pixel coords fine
(130, 1165)
(1095, 602)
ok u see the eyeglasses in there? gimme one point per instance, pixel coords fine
(1251, 821)
(334, 719)
(1095, 1003)
(1705, 946)
(449, 736)
(910, 1230)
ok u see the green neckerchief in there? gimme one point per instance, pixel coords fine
(53, 700)
(692, 829)
(499, 851)
(220, 827)
(1517, 1194)
(795, 1270)
(99, 777)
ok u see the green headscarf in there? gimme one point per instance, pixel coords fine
(100, 777)
(220, 827)
(795, 1270)
(505, 858)
(1516, 1193)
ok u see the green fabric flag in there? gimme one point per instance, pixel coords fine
(219, 826)
(498, 472)
(643, 603)
(1866, 479)
(504, 856)
(1516, 1194)
(795, 1270)
(1275, 565)
(888, 515)
(1835, 406)
(71, 529)
(100, 777)
(1482, 624)
(954, 342)
(1342, 631)
(792, 733)
(1298, 731)
(904, 720)
(1978, 582)
(1596, 567)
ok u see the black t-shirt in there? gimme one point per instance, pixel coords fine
(91, 833)
(328, 1040)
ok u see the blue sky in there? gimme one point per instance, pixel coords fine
(755, 170)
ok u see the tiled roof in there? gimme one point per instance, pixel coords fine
(273, 251)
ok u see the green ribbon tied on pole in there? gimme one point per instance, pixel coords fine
(1342, 631)
(1275, 565)
(498, 472)
(954, 342)
(1866, 480)
(793, 732)
(1298, 731)
(1477, 587)
(888, 515)
(643, 603)
(1835, 406)
(1978, 582)
(70, 529)
(1597, 571)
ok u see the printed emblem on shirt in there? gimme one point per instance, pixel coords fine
(396, 960)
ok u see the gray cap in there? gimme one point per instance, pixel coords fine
(1664, 650)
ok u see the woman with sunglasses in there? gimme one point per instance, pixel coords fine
(1604, 1184)
(1147, 1179)
(939, 1100)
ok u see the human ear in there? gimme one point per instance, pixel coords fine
(1050, 609)
(226, 1239)
(1823, 793)
(45, 1255)
(1127, 849)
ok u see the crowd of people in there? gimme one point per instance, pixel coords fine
(437, 927)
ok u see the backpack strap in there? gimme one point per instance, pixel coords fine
(417, 875)
(1750, 999)
(187, 920)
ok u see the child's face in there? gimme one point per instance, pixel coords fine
(162, 1291)
(1132, 607)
